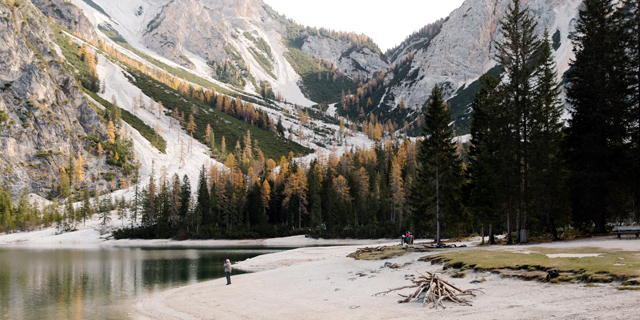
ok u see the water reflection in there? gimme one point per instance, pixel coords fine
(100, 283)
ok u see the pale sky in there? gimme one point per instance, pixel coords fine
(387, 22)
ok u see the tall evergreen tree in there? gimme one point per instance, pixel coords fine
(436, 192)
(185, 199)
(203, 206)
(517, 54)
(548, 175)
(595, 142)
(628, 22)
(484, 168)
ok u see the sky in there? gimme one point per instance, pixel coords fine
(387, 22)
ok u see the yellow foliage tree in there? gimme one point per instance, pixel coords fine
(80, 163)
(111, 132)
(99, 150)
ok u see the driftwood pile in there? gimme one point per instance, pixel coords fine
(434, 290)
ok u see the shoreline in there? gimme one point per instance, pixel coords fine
(321, 283)
(285, 242)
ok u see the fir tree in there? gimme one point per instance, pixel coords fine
(484, 168)
(203, 206)
(517, 54)
(595, 142)
(436, 192)
(85, 210)
(627, 19)
(185, 199)
(547, 169)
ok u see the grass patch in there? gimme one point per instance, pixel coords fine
(221, 123)
(260, 44)
(629, 288)
(264, 62)
(607, 267)
(318, 89)
(385, 252)
(145, 130)
(70, 51)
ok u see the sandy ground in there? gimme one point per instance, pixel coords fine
(321, 283)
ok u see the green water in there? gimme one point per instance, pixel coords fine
(100, 283)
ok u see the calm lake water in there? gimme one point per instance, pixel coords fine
(101, 283)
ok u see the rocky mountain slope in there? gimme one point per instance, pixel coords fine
(44, 118)
(240, 43)
(68, 15)
(463, 50)
(245, 49)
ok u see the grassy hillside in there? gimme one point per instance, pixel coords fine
(222, 124)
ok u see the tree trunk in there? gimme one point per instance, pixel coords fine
(492, 239)
(482, 233)
(437, 202)
(509, 239)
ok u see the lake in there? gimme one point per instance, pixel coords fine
(101, 283)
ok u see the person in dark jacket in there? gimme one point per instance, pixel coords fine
(227, 270)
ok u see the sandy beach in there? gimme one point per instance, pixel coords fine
(323, 283)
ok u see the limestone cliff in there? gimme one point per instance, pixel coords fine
(464, 48)
(44, 116)
(68, 15)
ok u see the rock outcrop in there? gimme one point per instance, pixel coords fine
(68, 15)
(45, 118)
(464, 48)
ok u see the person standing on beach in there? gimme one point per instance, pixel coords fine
(227, 270)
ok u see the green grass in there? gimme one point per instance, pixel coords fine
(70, 52)
(610, 265)
(221, 123)
(319, 90)
(145, 130)
(264, 62)
(260, 44)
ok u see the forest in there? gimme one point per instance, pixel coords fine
(529, 172)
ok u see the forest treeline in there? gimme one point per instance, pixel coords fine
(529, 172)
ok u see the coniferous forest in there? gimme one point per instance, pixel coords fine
(554, 157)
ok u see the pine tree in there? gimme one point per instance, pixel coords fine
(185, 199)
(85, 210)
(436, 193)
(136, 195)
(203, 206)
(628, 22)
(595, 141)
(547, 169)
(122, 209)
(149, 200)
(517, 54)
(484, 170)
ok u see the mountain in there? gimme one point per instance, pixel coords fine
(44, 118)
(455, 53)
(234, 65)
(242, 43)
